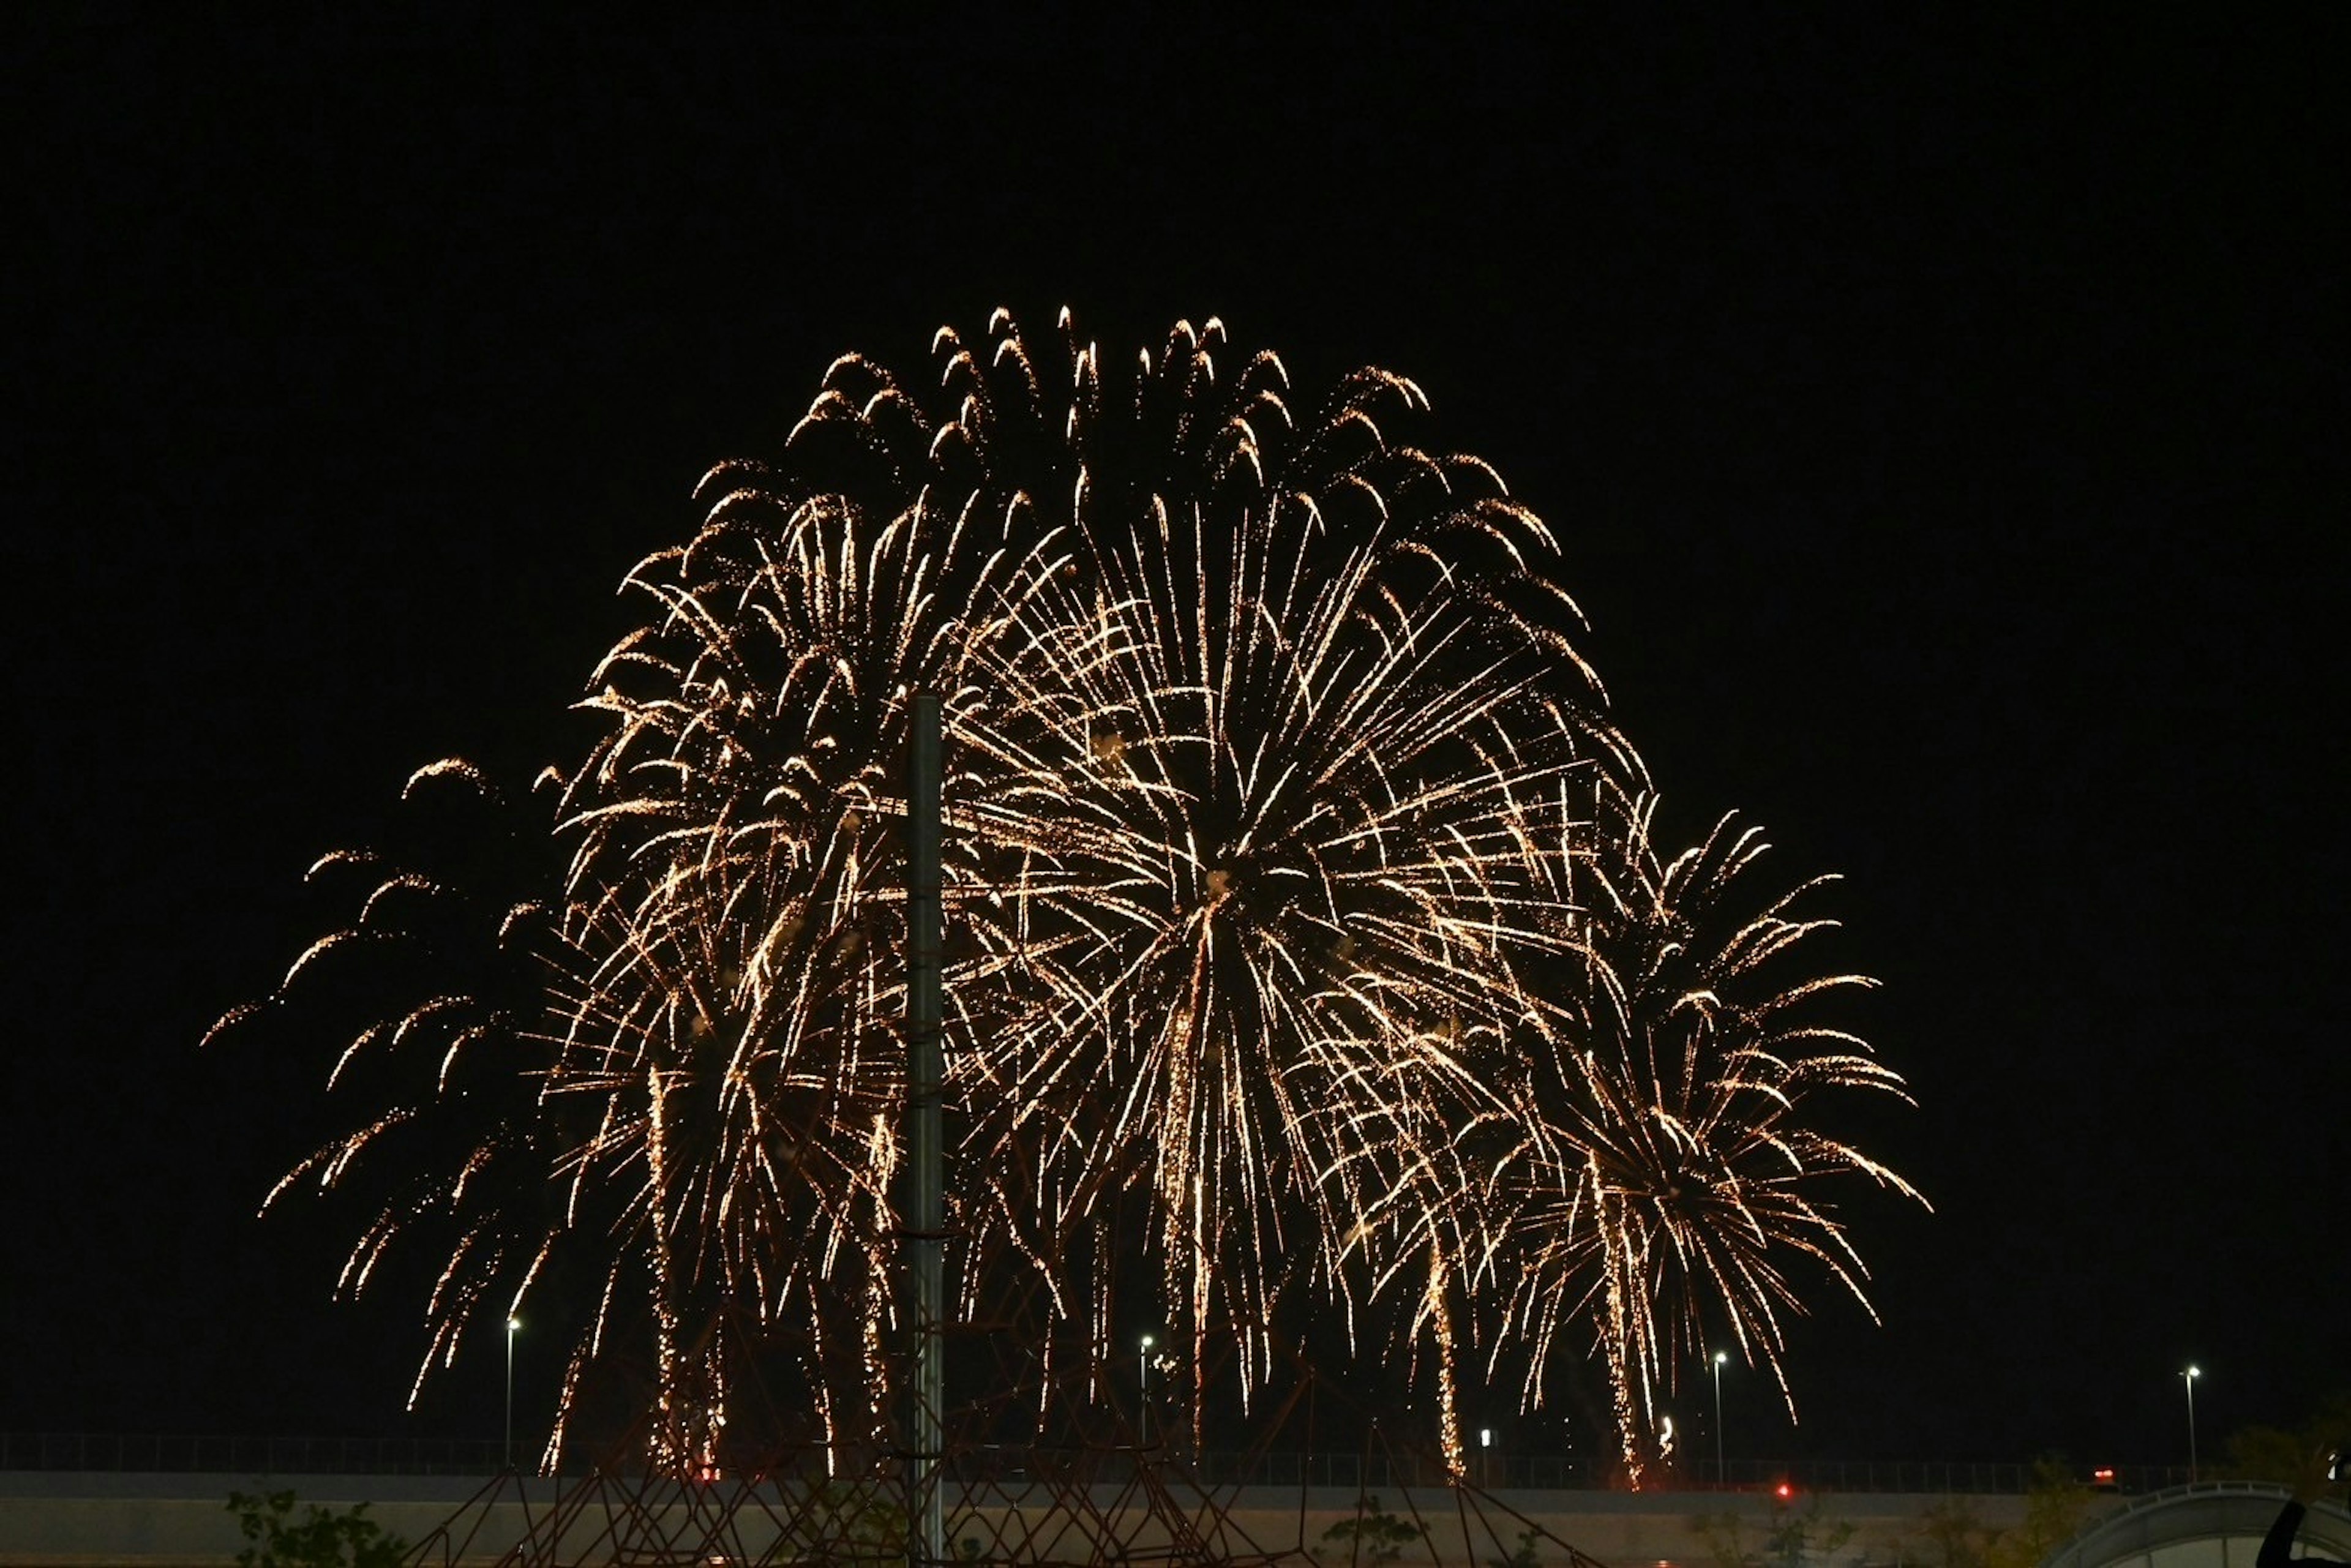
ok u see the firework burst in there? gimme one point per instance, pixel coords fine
(1663, 1170)
(449, 1125)
(1284, 970)
(1309, 752)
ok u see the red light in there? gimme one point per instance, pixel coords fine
(1786, 1491)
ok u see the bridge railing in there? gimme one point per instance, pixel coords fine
(168, 1454)
(1957, 1476)
(1495, 1470)
(1551, 1472)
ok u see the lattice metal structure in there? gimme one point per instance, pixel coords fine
(1106, 1498)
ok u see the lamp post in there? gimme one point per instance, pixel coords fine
(1142, 1389)
(1720, 1476)
(505, 1454)
(2189, 1377)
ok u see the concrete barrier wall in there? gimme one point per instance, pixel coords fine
(73, 1520)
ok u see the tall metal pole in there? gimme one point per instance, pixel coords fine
(506, 1455)
(1721, 1475)
(1143, 1389)
(2189, 1378)
(922, 1205)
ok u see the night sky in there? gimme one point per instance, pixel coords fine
(1943, 419)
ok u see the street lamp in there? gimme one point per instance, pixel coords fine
(2189, 1377)
(1719, 1357)
(1143, 1387)
(506, 1455)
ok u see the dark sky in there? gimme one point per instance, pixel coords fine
(1944, 419)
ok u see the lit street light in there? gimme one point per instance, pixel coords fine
(1142, 1387)
(2188, 1378)
(1719, 1475)
(506, 1455)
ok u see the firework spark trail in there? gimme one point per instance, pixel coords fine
(1278, 938)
